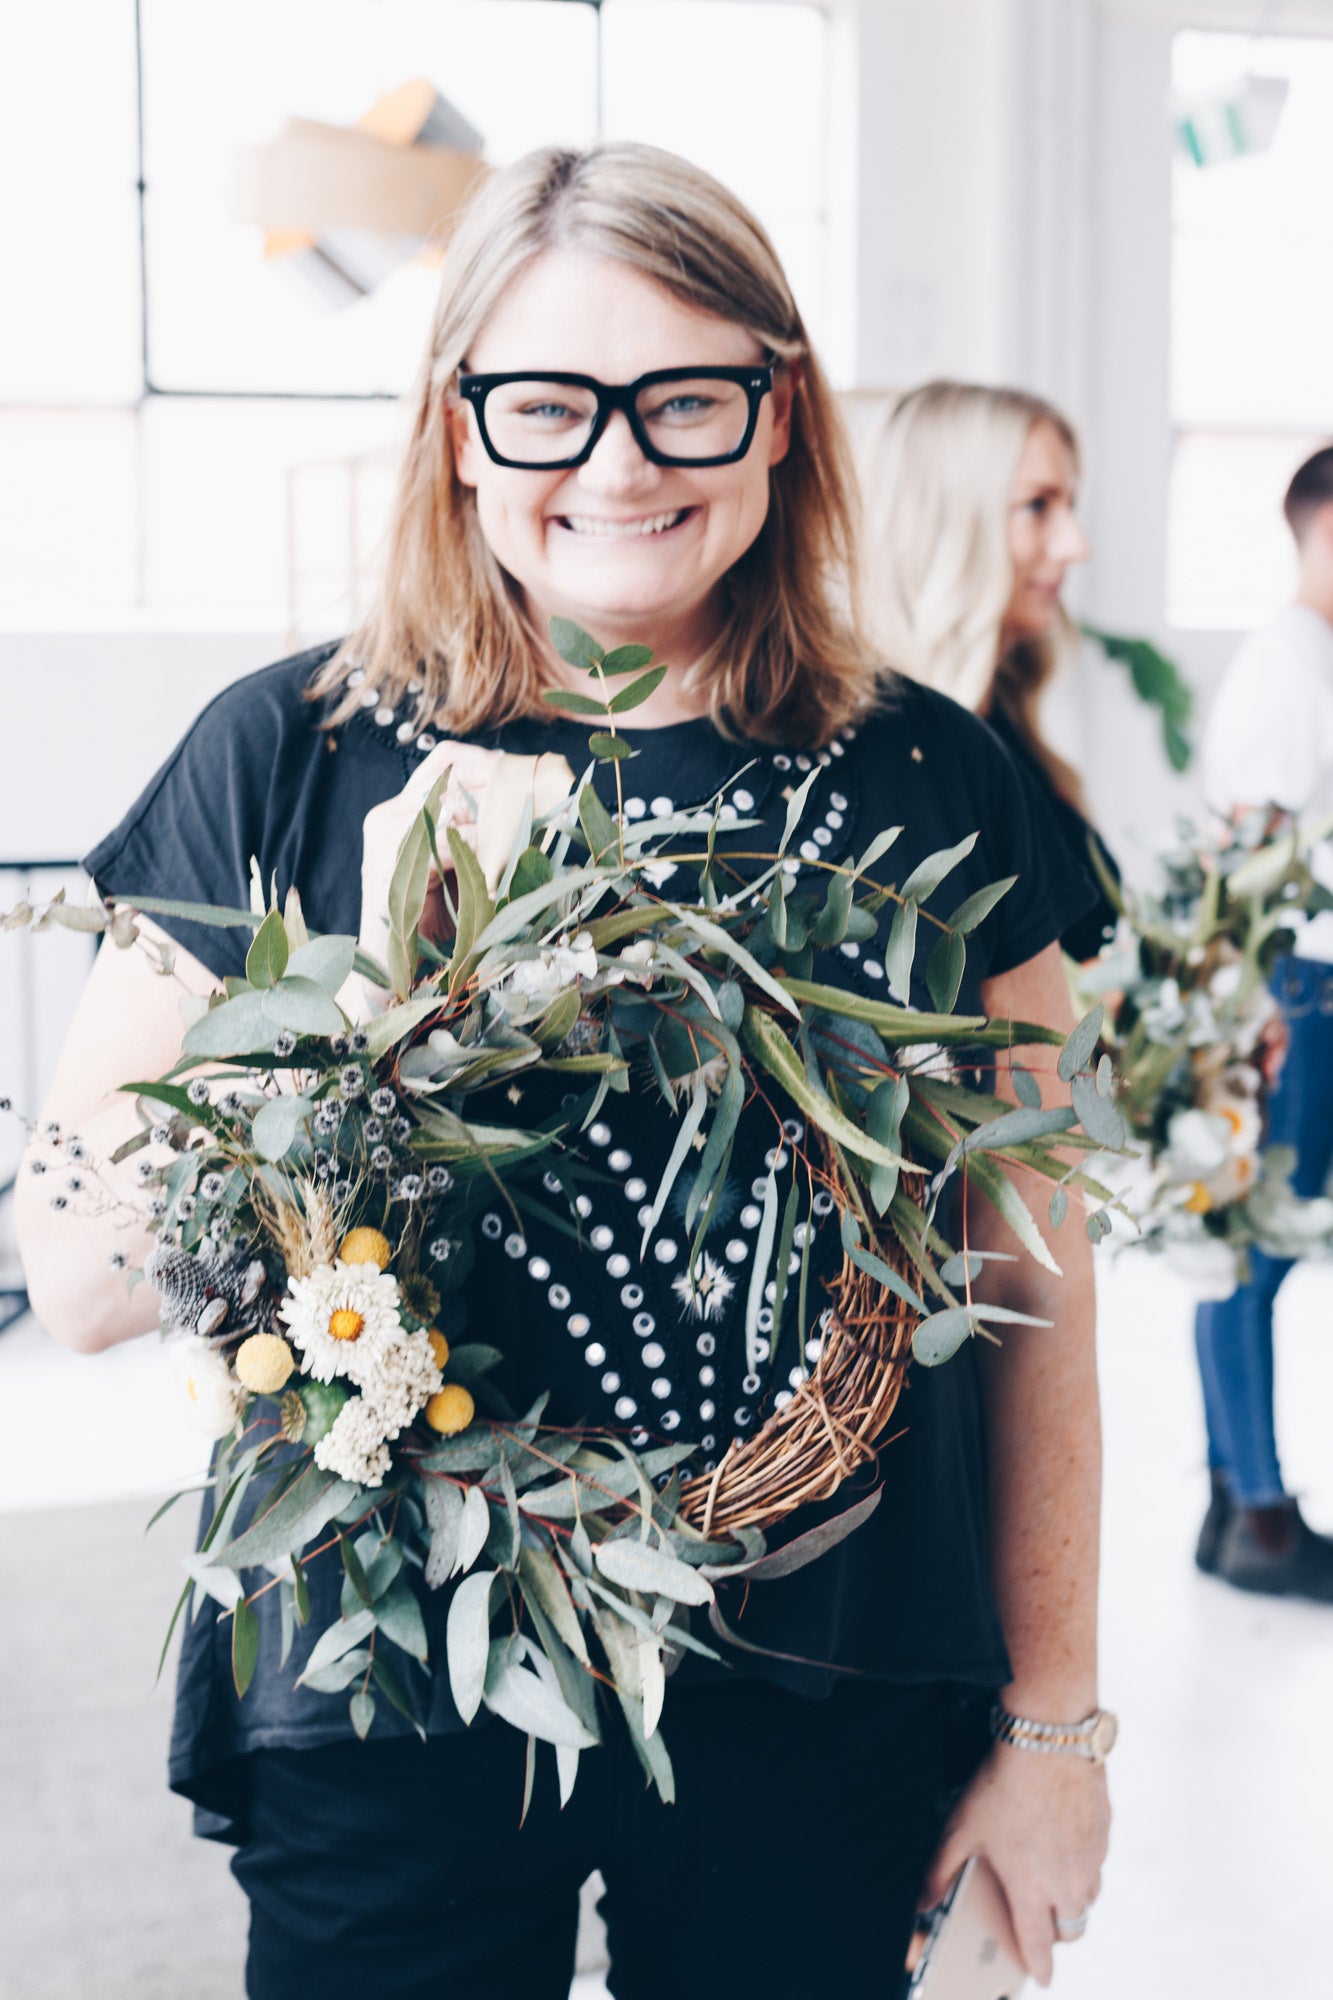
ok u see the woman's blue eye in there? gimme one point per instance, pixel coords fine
(546, 410)
(682, 406)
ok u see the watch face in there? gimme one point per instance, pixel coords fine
(1103, 1737)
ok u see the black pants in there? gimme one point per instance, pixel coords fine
(788, 1868)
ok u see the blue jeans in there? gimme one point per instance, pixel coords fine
(1234, 1337)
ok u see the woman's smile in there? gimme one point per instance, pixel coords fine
(619, 528)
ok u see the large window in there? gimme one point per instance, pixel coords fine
(1252, 308)
(248, 485)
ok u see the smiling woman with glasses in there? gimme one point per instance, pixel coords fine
(620, 421)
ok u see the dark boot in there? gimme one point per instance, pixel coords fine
(1219, 1513)
(1274, 1550)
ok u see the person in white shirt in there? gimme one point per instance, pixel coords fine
(1269, 740)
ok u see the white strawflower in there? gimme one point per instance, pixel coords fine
(213, 1396)
(704, 1290)
(355, 1448)
(341, 1318)
(400, 1379)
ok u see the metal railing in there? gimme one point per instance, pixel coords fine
(22, 1081)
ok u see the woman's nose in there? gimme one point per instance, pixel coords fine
(617, 465)
(1069, 544)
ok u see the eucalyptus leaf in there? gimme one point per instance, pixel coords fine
(328, 961)
(1078, 1050)
(521, 1697)
(939, 1336)
(1100, 1120)
(276, 1124)
(576, 646)
(900, 951)
(926, 877)
(638, 1566)
(266, 960)
(303, 1006)
(361, 1708)
(338, 1640)
(468, 1640)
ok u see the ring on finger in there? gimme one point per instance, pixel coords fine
(1069, 1928)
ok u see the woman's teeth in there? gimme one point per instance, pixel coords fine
(652, 524)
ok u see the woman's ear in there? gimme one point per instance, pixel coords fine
(786, 384)
(463, 437)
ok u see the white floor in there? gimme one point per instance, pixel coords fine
(1223, 1786)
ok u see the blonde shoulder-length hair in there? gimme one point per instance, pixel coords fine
(939, 477)
(789, 662)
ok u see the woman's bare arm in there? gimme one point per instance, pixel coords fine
(1041, 1820)
(127, 1026)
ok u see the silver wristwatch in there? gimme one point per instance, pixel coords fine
(1093, 1738)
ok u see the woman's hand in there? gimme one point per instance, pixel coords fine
(1042, 1822)
(383, 830)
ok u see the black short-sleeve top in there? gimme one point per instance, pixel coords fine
(618, 1341)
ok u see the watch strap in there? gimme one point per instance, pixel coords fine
(1091, 1739)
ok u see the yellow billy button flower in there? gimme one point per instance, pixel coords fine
(365, 1246)
(346, 1325)
(1200, 1201)
(450, 1409)
(264, 1362)
(439, 1346)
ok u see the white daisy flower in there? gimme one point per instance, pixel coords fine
(355, 1448)
(212, 1394)
(704, 1290)
(341, 1318)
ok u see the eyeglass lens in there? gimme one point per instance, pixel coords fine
(541, 423)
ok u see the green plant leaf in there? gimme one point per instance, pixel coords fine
(335, 1643)
(900, 951)
(976, 907)
(574, 645)
(361, 1708)
(766, 1041)
(239, 1027)
(610, 749)
(944, 970)
(1100, 1120)
(276, 1125)
(626, 659)
(1026, 1087)
(326, 960)
(638, 691)
(599, 829)
(574, 702)
(244, 1646)
(939, 1336)
(830, 926)
(266, 960)
(638, 1566)
(304, 1007)
(1078, 1050)
(287, 1523)
(926, 877)
(398, 1616)
(520, 1697)
(468, 1641)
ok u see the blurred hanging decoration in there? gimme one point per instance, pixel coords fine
(1232, 123)
(1158, 682)
(347, 206)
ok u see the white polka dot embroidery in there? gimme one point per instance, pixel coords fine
(425, 741)
(602, 1237)
(744, 801)
(626, 1407)
(663, 808)
(664, 1249)
(635, 809)
(594, 1354)
(539, 1269)
(558, 1297)
(631, 1296)
(618, 1265)
(578, 1324)
(872, 968)
(635, 1190)
(492, 1227)
(599, 1134)
(661, 1388)
(619, 1161)
(737, 1251)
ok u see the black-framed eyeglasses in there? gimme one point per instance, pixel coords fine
(679, 416)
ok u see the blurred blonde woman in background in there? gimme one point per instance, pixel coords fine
(971, 528)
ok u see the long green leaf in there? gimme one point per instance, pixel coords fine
(766, 1041)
